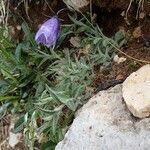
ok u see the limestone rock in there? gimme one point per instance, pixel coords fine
(136, 92)
(77, 4)
(104, 123)
(14, 138)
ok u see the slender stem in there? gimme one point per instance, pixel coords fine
(135, 59)
(91, 11)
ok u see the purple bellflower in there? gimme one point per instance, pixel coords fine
(48, 32)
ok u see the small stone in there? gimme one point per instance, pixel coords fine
(75, 41)
(137, 32)
(18, 27)
(119, 77)
(142, 15)
(136, 92)
(118, 59)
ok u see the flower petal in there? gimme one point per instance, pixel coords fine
(41, 39)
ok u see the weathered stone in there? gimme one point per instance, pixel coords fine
(136, 92)
(77, 4)
(104, 123)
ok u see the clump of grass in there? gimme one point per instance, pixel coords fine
(47, 86)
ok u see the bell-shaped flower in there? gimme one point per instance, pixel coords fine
(48, 32)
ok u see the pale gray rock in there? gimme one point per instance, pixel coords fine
(77, 4)
(105, 123)
(14, 138)
(136, 92)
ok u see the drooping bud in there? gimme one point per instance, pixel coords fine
(48, 32)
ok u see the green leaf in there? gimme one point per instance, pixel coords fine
(55, 120)
(48, 146)
(96, 40)
(57, 109)
(105, 42)
(62, 97)
(4, 87)
(18, 51)
(28, 35)
(19, 125)
(3, 98)
(81, 24)
(8, 75)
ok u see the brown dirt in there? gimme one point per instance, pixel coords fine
(121, 4)
(110, 20)
(123, 70)
(108, 14)
(111, 4)
(111, 14)
(4, 128)
(5, 124)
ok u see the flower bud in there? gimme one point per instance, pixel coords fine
(48, 32)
